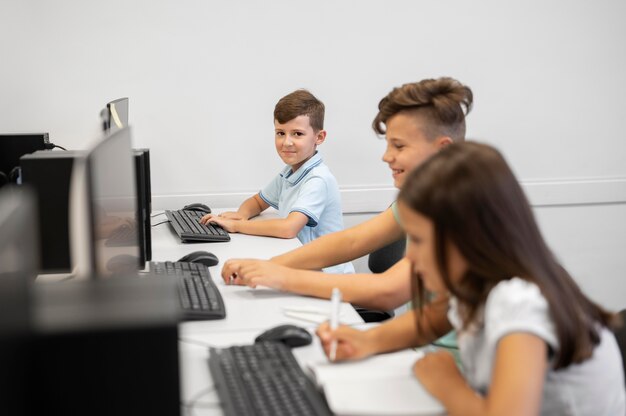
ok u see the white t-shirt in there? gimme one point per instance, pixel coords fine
(593, 387)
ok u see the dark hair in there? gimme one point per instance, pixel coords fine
(300, 103)
(473, 199)
(443, 103)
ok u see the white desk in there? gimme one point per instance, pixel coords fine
(248, 311)
(199, 396)
(246, 308)
(167, 246)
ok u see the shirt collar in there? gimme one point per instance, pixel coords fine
(297, 176)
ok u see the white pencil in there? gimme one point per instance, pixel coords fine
(335, 304)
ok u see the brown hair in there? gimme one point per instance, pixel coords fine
(443, 103)
(300, 103)
(474, 200)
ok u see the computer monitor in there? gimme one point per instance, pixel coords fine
(14, 146)
(142, 185)
(18, 267)
(115, 116)
(103, 204)
(19, 259)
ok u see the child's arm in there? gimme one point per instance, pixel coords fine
(283, 228)
(250, 208)
(344, 246)
(516, 386)
(395, 334)
(385, 291)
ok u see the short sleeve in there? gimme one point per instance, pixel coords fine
(271, 193)
(396, 214)
(311, 200)
(517, 305)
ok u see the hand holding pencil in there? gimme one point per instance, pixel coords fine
(335, 304)
(343, 342)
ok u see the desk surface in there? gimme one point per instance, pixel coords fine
(167, 246)
(246, 308)
(248, 311)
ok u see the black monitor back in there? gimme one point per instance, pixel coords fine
(49, 174)
(14, 146)
(142, 175)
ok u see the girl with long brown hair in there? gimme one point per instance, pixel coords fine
(530, 341)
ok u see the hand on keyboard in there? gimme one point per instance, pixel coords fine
(229, 215)
(232, 215)
(207, 218)
(226, 224)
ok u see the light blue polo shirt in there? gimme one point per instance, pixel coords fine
(313, 191)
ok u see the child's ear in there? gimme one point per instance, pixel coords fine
(443, 141)
(321, 136)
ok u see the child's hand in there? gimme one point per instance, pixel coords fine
(437, 372)
(352, 344)
(226, 224)
(207, 218)
(230, 271)
(232, 215)
(255, 273)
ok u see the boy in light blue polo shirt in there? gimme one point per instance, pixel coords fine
(305, 192)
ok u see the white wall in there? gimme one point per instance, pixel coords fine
(203, 76)
(589, 240)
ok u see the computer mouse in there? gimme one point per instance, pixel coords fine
(290, 335)
(198, 207)
(204, 257)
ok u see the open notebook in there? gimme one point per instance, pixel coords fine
(380, 385)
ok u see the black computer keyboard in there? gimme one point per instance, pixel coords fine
(263, 379)
(199, 296)
(187, 226)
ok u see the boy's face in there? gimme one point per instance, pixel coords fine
(407, 146)
(421, 251)
(296, 141)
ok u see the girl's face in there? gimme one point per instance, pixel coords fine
(407, 146)
(421, 251)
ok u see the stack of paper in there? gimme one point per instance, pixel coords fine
(380, 385)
